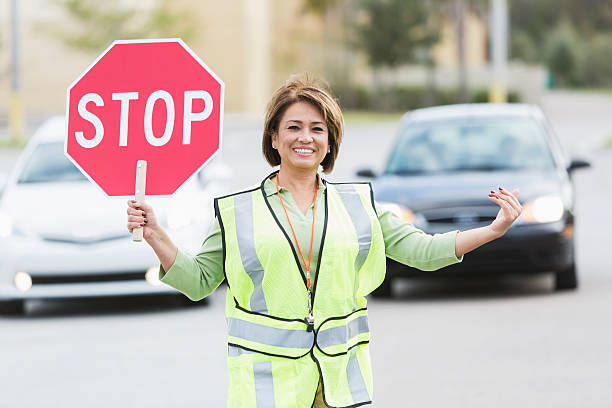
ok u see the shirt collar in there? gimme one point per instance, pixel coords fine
(269, 184)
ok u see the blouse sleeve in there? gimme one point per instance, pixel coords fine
(410, 246)
(198, 276)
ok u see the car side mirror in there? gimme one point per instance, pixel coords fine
(577, 164)
(367, 173)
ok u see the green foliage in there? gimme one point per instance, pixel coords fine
(562, 54)
(523, 47)
(405, 98)
(596, 64)
(574, 34)
(537, 18)
(534, 18)
(97, 24)
(319, 6)
(482, 96)
(12, 143)
(391, 32)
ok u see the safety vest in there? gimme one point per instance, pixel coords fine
(274, 358)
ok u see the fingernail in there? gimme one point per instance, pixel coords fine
(144, 214)
(500, 188)
(142, 225)
(491, 195)
(492, 192)
(145, 221)
(132, 201)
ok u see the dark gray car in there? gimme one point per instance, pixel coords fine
(443, 164)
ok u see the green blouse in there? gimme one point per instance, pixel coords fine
(198, 276)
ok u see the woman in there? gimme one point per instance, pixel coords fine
(299, 255)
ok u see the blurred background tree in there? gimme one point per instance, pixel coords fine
(562, 54)
(392, 33)
(572, 37)
(98, 24)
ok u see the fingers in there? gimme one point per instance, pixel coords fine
(139, 205)
(137, 215)
(511, 199)
(137, 219)
(505, 204)
(132, 225)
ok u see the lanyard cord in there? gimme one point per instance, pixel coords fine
(293, 231)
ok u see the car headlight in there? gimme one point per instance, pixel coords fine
(399, 210)
(23, 281)
(543, 209)
(152, 276)
(6, 226)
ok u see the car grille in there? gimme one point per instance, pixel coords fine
(87, 278)
(461, 215)
(460, 220)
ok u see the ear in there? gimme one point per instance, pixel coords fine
(274, 138)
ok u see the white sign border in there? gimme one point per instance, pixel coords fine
(145, 41)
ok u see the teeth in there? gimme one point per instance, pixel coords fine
(303, 150)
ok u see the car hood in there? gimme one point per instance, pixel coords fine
(421, 192)
(70, 211)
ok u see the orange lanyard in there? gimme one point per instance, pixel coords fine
(311, 234)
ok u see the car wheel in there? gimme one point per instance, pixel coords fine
(566, 278)
(12, 307)
(385, 290)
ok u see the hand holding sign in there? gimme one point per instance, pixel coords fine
(141, 215)
(148, 100)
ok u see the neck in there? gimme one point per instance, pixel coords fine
(297, 181)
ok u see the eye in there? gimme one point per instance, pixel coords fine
(293, 127)
(318, 129)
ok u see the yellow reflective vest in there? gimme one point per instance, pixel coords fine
(275, 358)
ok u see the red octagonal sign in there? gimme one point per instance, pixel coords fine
(152, 100)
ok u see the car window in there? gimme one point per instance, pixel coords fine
(47, 162)
(490, 144)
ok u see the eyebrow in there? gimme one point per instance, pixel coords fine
(300, 122)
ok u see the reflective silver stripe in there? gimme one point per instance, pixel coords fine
(264, 384)
(233, 351)
(270, 336)
(243, 209)
(342, 334)
(361, 220)
(356, 383)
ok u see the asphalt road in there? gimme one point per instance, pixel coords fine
(452, 343)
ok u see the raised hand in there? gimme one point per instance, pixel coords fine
(509, 211)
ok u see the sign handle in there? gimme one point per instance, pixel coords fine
(141, 183)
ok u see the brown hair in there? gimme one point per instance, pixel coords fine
(298, 89)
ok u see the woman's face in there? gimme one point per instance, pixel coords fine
(301, 139)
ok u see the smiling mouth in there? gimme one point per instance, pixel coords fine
(303, 151)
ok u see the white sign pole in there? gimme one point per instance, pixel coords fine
(141, 183)
(499, 51)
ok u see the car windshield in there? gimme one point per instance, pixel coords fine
(46, 163)
(491, 144)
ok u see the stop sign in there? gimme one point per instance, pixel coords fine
(152, 100)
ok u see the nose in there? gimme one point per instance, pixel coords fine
(305, 136)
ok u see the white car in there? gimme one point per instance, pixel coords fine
(61, 237)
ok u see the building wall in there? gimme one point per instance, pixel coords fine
(252, 45)
(475, 43)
